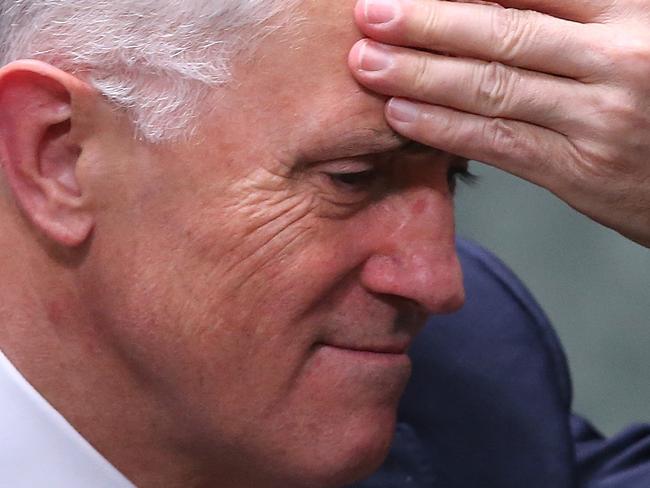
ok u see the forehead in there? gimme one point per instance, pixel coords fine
(296, 87)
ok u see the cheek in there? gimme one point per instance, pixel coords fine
(213, 308)
(223, 288)
(249, 253)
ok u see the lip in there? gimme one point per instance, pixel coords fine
(389, 357)
(394, 348)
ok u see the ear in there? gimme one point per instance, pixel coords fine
(39, 155)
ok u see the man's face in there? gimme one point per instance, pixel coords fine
(264, 280)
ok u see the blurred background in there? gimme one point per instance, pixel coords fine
(593, 284)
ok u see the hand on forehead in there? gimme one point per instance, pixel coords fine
(552, 91)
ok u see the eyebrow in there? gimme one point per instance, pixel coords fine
(358, 142)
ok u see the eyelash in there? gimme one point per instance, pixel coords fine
(355, 181)
(463, 174)
(363, 180)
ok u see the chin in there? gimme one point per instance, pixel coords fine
(361, 463)
(350, 456)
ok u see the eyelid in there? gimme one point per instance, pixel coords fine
(346, 166)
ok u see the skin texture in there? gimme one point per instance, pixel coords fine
(552, 91)
(230, 311)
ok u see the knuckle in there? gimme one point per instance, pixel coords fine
(495, 83)
(421, 78)
(618, 111)
(620, 129)
(592, 162)
(502, 137)
(626, 53)
(429, 24)
(511, 31)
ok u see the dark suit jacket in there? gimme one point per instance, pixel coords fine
(489, 402)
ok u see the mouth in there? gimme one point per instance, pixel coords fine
(364, 374)
(358, 361)
(395, 348)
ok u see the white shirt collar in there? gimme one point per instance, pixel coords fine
(39, 448)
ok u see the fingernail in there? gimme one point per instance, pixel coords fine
(403, 110)
(373, 57)
(380, 11)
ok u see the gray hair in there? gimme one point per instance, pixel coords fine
(154, 59)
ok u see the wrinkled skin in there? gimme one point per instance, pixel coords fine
(241, 256)
(222, 272)
(552, 91)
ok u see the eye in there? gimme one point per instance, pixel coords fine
(356, 180)
(354, 177)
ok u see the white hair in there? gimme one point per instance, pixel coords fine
(155, 59)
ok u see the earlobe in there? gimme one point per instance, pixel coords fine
(39, 155)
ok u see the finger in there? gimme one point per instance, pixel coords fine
(522, 149)
(519, 38)
(479, 87)
(585, 11)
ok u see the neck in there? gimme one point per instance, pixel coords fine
(50, 337)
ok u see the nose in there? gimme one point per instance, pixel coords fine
(415, 254)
